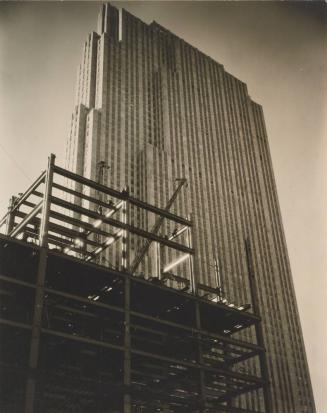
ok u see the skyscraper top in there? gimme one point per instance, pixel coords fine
(108, 21)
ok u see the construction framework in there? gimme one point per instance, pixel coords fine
(78, 336)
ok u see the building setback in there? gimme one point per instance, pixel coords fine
(154, 108)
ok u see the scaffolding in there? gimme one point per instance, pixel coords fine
(78, 336)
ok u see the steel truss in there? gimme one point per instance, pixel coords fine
(77, 336)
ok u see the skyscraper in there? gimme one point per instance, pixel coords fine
(152, 108)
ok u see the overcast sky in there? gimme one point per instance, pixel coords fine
(278, 49)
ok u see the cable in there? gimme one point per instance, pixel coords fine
(15, 162)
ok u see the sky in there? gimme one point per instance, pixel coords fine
(277, 48)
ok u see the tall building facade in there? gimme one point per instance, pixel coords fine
(154, 108)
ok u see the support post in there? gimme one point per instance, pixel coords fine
(124, 239)
(258, 328)
(43, 238)
(158, 259)
(39, 291)
(36, 333)
(190, 240)
(127, 402)
(202, 392)
(11, 216)
(218, 278)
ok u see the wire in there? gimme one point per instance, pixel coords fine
(16, 163)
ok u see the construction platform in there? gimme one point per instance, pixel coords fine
(77, 336)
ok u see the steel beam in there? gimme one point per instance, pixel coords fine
(121, 225)
(244, 389)
(82, 339)
(173, 277)
(121, 195)
(84, 300)
(228, 409)
(79, 223)
(70, 233)
(234, 375)
(59, 242)
(244, 357)
(219, 337)
(19, 228)
(83, 196)
(64, 231)
(15, 324)
(26, 194)
(16, 281)
(219, 371)
(28, 204)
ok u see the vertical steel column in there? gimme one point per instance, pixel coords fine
(202, 392)
(158, 259)
(127, 408)
(11, 216)
(220, 297)
(124, 239)
(218, 278)
(101, 166)
(258, 328)
(43, 238)
(192, 259)
(39, 292)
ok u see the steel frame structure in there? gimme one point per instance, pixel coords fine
(77, 336)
